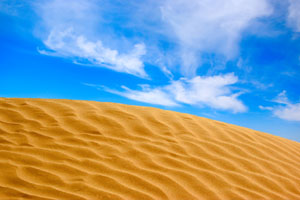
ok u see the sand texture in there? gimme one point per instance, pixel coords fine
(69, 150)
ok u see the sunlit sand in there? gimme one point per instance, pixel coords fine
(66, 149)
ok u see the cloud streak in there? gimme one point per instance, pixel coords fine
(156, 96)
(214, 92)
(70, 27)
(286, 110)
(67, 44)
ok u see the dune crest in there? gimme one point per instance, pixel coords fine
(66, 149)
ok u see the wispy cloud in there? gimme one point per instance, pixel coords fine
(67, 44)
(210, 26)
(294, 15)
(68, 30)
(194, 27)
(10, 7)
(266, 108)
(104, 34)
(290, 112)
(214, 92)
(282, 98)
(286, 110)
(156, 96)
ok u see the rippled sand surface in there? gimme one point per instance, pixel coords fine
(66, 149)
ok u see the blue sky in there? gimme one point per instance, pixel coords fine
(236, 61)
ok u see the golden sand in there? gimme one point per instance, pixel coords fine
(65, 149)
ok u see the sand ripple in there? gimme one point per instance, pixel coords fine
(63, 149)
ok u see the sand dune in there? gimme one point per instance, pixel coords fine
(64, 149)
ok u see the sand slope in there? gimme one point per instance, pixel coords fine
(63, 149)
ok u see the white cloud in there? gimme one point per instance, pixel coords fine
(190, 27)
(294, 15)
(66, 43)
(214, 92)
(266, 108)
(287, 110)
(70, 28)
(210, 26)
(282, 98)
(155, 96)
(290, 112)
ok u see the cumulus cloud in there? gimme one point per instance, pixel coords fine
(294, 15)
(214, 92)
(69, 27)
(210, 26)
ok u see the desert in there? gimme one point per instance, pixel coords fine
(71, 149)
